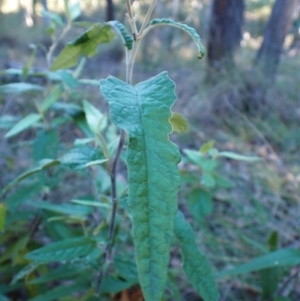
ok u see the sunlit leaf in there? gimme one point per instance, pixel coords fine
(179, 123)
(85, 45)
(206, 147)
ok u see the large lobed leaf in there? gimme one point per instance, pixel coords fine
(195, 264)
(143, 111)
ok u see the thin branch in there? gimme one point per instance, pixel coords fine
(112, 222)
(56, 43)
(148, 16)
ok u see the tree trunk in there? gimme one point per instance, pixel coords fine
(110, 11)
(280, 21)
(225, 32)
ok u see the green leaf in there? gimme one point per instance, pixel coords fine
(200, 203)
(74, 10)
(64, 272)
(143, 111)
(56, 18)
(68, 78)
(179, 123)
(269, 278)
(208, 180)
(127, 38)
(18, 88)
(85, 45)
(22, 194)
(234, 156)
(8, 121)
(3, 209)
(3, 298)
(67, 209)
(60, 291)
(23, 124)
(282, 257)
(199, 159)
(207, 146)
(42, 165)
(41, 144)
(30, 61)
(82, 157)
(195, 264)
(67, 249)
(95, 119)
(28, 269)
(191, 31)
(52, 98)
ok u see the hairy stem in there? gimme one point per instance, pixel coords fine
(112, 222)
(130, 59)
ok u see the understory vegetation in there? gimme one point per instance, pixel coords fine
(74, 158)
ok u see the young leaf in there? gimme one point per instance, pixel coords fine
(195, 264)
(30, 61)
(127, 38)
(65, 271)
(82, 157)
(85, 45)
(179, 123)
(234, 156)
(28, 269)
(143, 111)
(18, 88)
(269, 278)
(23, 124)
(61, 291)
(207, 146)
(52, 98)
(42, 165)
(67, 249)
(3, 209)
(191, 31)
(95, 119)
(282, 257)
(200, 203)
(67, 209)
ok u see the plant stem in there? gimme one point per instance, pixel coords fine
(57, 41)
(112, 222)
(148, 16)
(130, 59)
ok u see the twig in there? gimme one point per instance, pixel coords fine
(113, 176)
(55, 44)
